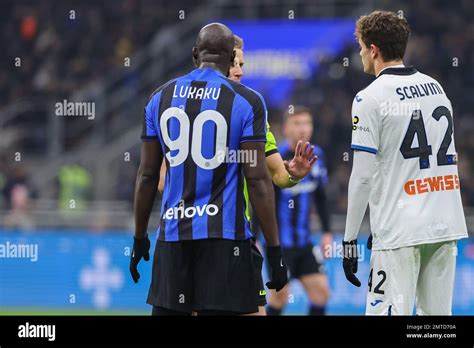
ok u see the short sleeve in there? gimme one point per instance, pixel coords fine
(254, 123)
(366, 124)
(149, 131)
(271, 145)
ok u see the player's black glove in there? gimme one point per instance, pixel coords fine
(369, 242)
(279, 272)
(350, 261)
(141, 248)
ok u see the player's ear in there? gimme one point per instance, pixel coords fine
(195, 56)
(374, 51)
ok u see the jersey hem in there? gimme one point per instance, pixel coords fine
(420, 242)
(200, 238)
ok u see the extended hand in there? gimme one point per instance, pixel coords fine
(301, 163)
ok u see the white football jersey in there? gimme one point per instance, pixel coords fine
(406, 119)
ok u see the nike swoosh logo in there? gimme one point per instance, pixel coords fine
(376, 302)
(281, 262)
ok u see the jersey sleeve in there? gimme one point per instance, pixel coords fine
(149, 131)
(271, 145)
(366, 124)
(254, 125)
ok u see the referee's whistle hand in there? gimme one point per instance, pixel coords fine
(141, 248)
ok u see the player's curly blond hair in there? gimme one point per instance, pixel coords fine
(387, 31)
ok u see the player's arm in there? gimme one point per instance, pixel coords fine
(145, 192)
(365, 141)
(322, 207)
(148, 176)
(366, 130)
(147, 180)
(363, 169)
(360, 184)
(262, 198)
(321, 202)
(261, 192)
(260, 189)
(161, 183)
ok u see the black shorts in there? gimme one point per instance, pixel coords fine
(302, 261)
(258, 265)
(204, 275)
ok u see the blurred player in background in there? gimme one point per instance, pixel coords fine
(203, 259)
(405, 167)
(305, 263)
(298, 167)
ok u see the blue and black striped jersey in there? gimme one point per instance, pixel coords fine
(200, 119)
(294, 204)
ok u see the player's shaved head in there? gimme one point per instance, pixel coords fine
(215, 38)
(214, 47)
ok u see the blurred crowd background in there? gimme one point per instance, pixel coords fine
(115, 53)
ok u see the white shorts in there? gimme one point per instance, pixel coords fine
(421, 275)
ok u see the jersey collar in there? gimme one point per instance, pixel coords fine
(398, 70)
(206, 72)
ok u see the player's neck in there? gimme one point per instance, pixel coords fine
(380, 65)
(218, 67)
